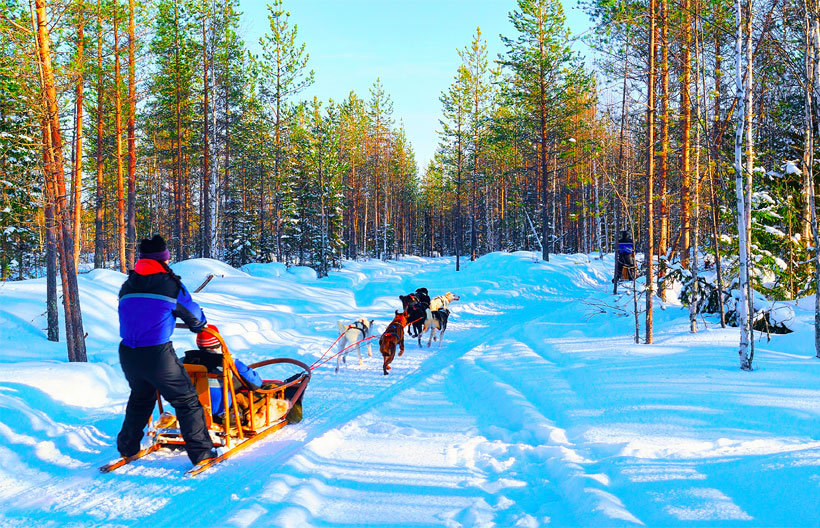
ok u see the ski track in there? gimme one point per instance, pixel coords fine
(527, 439)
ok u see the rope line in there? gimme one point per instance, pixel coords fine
(357, 343)
(328, 350)
(322, 360)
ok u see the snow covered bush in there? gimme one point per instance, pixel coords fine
(772, 317)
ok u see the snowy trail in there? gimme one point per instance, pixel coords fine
(534, 411)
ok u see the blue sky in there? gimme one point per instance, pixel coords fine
(411, 45)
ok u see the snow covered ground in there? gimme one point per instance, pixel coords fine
(537, 410)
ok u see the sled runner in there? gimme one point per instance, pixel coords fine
(250, 415)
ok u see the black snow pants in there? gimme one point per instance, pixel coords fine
(157, 368)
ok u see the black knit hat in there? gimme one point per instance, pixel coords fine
(422, 290)
(154, 249)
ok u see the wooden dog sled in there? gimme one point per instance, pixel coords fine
(264, 411)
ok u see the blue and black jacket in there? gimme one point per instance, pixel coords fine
(625, 247)
(150, 301)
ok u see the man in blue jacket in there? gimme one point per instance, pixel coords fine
(150, 301)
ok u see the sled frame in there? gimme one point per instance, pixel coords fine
(231, 434)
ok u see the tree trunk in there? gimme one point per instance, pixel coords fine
(663, 225)
(75, 338)
(131, 235)
(99, 203)
(77, 176)
(686, 133)
(749, 173)
(458, 203)
(650, 175)
(179, 228)
(206, 184)
(542, 110)
(743, 299)
(52, 318)
(118, 140)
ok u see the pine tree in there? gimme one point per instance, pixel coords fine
(477, 71)
(284, 66)
(456, 105)
(547, 77)
(20, 190)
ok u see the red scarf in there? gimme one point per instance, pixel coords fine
(149, 267)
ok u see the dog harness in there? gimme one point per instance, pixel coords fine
(358, 325)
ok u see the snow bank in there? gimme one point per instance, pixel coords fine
(92, 385)
(193, 272)
(267, 271)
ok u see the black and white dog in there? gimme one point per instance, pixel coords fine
(353, 333)
(435, 321)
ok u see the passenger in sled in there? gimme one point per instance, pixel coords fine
(209, 355)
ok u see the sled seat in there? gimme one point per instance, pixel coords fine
(199, 377)
(255, 409)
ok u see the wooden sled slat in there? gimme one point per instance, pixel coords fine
(127, 460)
(196, 470)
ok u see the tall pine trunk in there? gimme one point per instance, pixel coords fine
(75, 338)
(686, 134)
(118, 141)
(77, 175)
(99, 207)
(131, 234)
(179, 227)
(663, 224)
(206, 184)
(650, 176)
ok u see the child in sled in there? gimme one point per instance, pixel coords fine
(209, 355)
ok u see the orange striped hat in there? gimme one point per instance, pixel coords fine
(208, 340)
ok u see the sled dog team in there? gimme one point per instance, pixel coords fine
(419, 314)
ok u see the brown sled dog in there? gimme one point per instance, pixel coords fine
(393, 335)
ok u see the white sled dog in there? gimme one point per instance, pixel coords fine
(443, 301)
(352, 333)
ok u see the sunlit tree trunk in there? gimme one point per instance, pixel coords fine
(206, 184)
(99, 203)
(123, 263)
(686, 134)
(740, 181)
(131, 235)
(77, 174)
(663, 224)
(650, 175)
(75, 338)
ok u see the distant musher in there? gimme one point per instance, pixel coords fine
(624, 260)
(150, 301)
